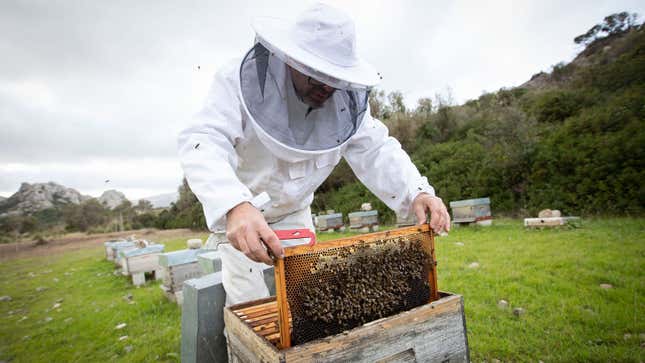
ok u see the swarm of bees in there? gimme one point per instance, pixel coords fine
(361, 284)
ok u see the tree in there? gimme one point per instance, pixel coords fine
(395, 99)
(612, 24)
(424, 106)
(143, 206)
(378, 106)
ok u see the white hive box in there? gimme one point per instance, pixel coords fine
(179, 266)
(331, 222)
(109, 252)
(366, 221)
(141, 260)
(118, 247)
(472, 211)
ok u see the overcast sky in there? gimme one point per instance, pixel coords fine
(98, 90)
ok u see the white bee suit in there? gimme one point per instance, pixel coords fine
(253, 136)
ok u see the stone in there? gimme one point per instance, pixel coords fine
(122, 338)
(5, 298)
(194, 243)
(474, 265)
(128, 348)
(56, 306)
(502, 304)
(518, 311)
(606, 286)
(545, 213)
(41, 289)
(120, 326)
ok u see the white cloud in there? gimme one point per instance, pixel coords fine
(92, 90)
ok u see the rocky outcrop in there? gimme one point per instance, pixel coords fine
(31, 198)
(111, 198)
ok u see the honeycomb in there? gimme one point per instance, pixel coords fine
(339, 288)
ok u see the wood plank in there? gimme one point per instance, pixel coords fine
(258, 307)
(434, 331)
(243, 339)
(348, 241)
(283, 306)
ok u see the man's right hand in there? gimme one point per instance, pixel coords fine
(248, 231)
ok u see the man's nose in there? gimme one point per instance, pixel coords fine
(328, 89)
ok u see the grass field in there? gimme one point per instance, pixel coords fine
(554, 275)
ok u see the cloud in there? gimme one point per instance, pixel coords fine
(85, 84)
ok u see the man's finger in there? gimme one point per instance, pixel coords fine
(272, 241)
(257, 252)
(420, 212)
(437, 221)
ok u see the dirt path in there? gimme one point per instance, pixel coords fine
(77, 241)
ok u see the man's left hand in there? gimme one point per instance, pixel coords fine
(439, 217)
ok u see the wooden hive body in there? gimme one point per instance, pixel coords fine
(434, 332)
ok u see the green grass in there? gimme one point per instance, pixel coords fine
(553, 274)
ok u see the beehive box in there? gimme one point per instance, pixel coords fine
(471, 211)
(330, 222)
(109, 252)
(117, 247)
(365, 221)
(138, 261)
(434, 332)
(179, 266)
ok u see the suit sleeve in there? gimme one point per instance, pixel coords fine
(384, 167)
(207, 150)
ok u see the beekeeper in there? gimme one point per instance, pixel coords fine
(273, 127)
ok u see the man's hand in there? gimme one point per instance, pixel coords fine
(439, 217)
(247, 229)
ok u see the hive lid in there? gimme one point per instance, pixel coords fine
(142, 251)
(469, 202)
(180, 257)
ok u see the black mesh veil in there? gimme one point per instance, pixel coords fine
(269, 97)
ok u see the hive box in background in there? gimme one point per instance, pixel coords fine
(109, 252)
(138, 261)
(179, 266)
(366, 221)
(330, 222)
(471, 211)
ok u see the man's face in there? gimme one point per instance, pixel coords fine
(310, 91)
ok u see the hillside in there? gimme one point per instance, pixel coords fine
(569, 139)
(31, 198)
